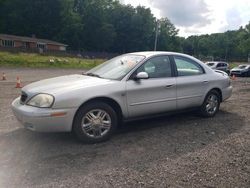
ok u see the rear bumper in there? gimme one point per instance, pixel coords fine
(41, 120)
(226, 93)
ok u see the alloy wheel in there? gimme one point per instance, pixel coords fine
(96, 123)
(212, 104)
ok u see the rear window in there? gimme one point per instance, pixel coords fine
(210, 64)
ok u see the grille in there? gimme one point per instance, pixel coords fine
(24, 97)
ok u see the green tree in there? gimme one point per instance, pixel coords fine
(167, 36)
(72, 27)
(26, 17)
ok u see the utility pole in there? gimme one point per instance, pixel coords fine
(226, 47)
(156, 34)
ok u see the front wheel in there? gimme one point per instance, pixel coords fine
(211, 104)
(95, 122)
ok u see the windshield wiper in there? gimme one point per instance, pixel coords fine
(92, 74)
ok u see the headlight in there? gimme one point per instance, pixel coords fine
(41, 101)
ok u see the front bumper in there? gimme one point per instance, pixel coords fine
(41, 120)
(236, 73)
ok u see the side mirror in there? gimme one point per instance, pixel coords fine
(141, 75)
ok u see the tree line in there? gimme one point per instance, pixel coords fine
(109, 26)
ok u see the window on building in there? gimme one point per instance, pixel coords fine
(41, 46)
(8, 43)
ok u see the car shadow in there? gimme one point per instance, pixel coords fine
(180, 120)
(183, 128)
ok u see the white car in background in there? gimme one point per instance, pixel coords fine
(126, 87)
(218, 65)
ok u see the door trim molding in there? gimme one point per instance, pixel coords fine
(150, 102)
(188, 97)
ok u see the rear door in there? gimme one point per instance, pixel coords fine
(153, 95)
(191, 82)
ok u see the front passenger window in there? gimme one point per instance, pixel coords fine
(149, 68)
(157, 67)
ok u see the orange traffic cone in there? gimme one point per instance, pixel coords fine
(4, 76)
(233, 77)
(18, 82)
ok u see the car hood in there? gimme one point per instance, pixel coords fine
(237, 69)
(64, 83)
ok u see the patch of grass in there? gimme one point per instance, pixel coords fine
(234, 64)
(36, 60)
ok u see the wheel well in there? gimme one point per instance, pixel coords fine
(108, 101)
(219, 91)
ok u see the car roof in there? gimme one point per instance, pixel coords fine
(152, 53)
(216, 62)
(211, 62)
(244, 65)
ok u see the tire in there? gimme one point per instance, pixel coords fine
(95, 122)
(211, 104)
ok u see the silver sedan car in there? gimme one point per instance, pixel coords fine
(126, 87)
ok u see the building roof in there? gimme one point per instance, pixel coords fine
(30, 39)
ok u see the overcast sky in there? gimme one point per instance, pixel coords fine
(193, 17)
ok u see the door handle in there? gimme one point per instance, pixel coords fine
(169, 86)
(205, 82)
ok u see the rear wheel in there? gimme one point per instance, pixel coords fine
(211, 104)
(95, 122)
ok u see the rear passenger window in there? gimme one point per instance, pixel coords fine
(187, 67)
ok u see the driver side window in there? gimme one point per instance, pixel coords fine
(157, 67)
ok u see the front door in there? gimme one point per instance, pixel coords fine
(153, 95)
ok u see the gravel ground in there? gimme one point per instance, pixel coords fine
(181, 150)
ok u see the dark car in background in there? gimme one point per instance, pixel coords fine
(241, 70)
(219, 65)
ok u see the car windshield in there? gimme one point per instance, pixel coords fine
(242, 66)
(117, 67)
